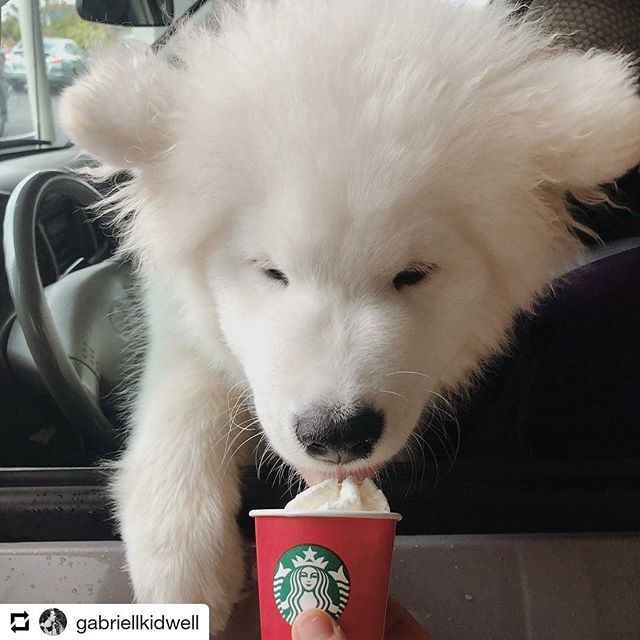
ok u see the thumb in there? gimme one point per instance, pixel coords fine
(401, 625)
(315, 624)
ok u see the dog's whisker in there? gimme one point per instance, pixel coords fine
(240, 399)
(240, 432)
(239, 405)
(255, 449)
(410, 453)
(246, 425)
(458, 439)
(440, 432)
(382, 475)
(270, 461)
(423, 375)
(229, 445)
(230, 392)
(242, 444)
(393, 393)
(278, 470)
(267, 450)
(444, 447)
(419, 436)
(435, 461)
(420, 442)
(294, 480)
(455, 448)
(437, 424)
(451, 453)
(230, 427)
(272, 470)
(419, 460)
(281, 473)
(231, 424)
(250, 426)
(230, 421)
(436, 406)
(415, 373)
(439, 409)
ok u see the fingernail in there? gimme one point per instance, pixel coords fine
(314, 626)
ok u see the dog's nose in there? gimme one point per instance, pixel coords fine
(340, 435)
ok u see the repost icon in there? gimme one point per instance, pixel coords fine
(19, 622)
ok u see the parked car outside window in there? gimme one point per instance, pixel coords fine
(28, 102)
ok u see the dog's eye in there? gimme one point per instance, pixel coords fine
(412, 276)
(276, 274)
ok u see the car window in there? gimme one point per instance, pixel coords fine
(49, 46)
(28, 100)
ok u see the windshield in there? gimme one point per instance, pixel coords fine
(38, 61)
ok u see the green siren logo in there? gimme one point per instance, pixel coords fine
(310, 577)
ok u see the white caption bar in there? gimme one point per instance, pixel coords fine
(105, 621)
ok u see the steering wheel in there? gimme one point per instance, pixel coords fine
(69, 336)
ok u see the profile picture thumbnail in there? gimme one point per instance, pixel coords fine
(53, 622)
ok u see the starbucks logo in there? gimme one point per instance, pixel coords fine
(310, 577)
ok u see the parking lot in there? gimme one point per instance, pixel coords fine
(19, 119)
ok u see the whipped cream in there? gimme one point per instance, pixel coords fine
(347, 495)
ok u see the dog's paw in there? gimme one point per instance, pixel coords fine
(178, 571)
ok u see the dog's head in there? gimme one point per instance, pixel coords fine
(367, 193)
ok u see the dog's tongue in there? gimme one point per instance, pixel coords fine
(312, 477)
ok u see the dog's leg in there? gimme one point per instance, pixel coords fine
(176, 496)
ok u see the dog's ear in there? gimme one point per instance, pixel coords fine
(587, 121)
(116, 111)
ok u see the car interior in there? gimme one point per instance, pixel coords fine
(520, 509)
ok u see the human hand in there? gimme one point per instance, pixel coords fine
(315, 624)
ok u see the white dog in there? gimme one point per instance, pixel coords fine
(337, 208)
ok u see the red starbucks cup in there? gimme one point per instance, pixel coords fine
(338, 561)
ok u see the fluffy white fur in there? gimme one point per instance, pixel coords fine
(339, 141)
